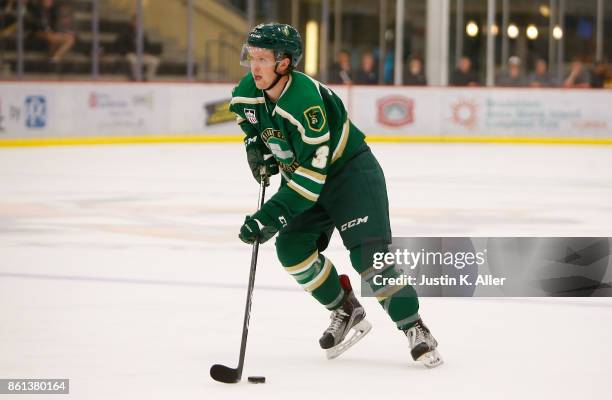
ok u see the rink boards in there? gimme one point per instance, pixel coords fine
(35, 113)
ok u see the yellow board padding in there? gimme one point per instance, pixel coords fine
(89, 140)
(490, 139)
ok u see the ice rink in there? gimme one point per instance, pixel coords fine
(120, 269)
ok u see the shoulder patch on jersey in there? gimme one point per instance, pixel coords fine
(315, 118)
(250, 115)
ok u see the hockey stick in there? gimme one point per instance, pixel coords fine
(222, 373)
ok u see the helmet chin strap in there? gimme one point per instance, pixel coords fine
(275, 81)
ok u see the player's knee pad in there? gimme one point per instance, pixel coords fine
(293, 248)
(299, 255)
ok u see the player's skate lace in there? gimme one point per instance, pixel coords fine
(418, 334)
(338, 318)
(350, 314)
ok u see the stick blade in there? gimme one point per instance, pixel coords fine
(224, 374)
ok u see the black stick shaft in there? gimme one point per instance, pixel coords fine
(247, 308)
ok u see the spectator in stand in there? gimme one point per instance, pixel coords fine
(463, 74)
(341, 70)
(598, 75)
(65, 18)
(125, 44)
(541, 77)
(54, 24)
(578, 77)
(512, 76)
(413, 73)
(367, 75)
(8, 14)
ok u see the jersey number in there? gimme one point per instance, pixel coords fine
(320, 158)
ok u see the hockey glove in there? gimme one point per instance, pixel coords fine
(258, 155)
(257, 226)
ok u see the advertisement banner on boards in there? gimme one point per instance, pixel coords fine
(31, 110)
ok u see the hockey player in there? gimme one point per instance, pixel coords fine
(330, 179)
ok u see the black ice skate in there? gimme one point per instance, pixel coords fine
(423, 345)
(349, 316)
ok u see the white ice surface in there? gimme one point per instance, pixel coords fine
(120, 269)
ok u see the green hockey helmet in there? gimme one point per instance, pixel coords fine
(283, 39)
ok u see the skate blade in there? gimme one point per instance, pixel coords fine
(358, 332)
(431, 359)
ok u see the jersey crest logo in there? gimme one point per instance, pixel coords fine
(249, 113)
(315, 118)
(281, 151)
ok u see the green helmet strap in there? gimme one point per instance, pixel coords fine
(275, 81)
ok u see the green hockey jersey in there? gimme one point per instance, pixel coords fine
(308, 132)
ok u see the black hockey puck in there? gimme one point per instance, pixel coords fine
(257, 379)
